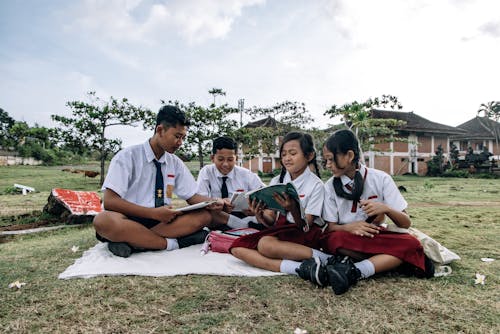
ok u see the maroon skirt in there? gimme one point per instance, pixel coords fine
(403, 246)
(284, 232)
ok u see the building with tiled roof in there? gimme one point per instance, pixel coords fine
(422, 140)
(480, 133)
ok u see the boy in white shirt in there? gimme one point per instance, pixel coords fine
(223, 179)
(138, 191)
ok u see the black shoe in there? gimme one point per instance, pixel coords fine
(429, 268)
(408, 269)
(342, 275)
(312, 270)
(335, 258)
(121, 249)
(193, 239)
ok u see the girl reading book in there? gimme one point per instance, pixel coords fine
(357, 198)
(290, 236)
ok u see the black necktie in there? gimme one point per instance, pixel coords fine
(159, 185)
(223, 189)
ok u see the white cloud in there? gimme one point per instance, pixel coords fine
(195, 20)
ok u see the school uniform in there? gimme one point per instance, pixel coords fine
(239, 180)
(379, 187)
(310, 189)
(132, 175)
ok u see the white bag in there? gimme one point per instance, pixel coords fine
(433, 249)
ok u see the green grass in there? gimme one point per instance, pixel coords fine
(463, 214)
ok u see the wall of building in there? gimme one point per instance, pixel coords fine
(9, 160)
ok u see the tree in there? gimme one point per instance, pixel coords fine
(206, 124)
(283, 117)
(88, 125)
(357, 117)
(436, 166)
(216, 91)
(491, 110)
(6, 123)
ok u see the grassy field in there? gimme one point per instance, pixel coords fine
(463, 214)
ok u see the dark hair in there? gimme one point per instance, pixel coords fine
(343, 141)
(224, 142)
(306, 145)
(170, 116)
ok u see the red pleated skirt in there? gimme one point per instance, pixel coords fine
(403, 246)
(284, 232)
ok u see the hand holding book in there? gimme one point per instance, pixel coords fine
(280, 197)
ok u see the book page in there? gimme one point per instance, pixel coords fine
(195, 206)
(239, 202)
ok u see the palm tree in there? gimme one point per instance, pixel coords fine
(215, 92)
(491, 110)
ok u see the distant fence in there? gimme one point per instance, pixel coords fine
(7, 159)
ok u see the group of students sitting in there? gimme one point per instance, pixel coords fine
(337, 242)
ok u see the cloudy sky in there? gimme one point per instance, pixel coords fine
(439, 57)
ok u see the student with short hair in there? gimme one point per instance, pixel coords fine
(223, 178)
(357, 199)
(138, 191)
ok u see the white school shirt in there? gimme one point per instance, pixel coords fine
(238, 180)
(311, 192)
(132, 175)
(378, 186)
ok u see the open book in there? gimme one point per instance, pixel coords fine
(195, 206)
(266, 195)
(393, 228)
(239, 201)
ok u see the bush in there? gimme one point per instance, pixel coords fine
(456, 173)
(12, 191)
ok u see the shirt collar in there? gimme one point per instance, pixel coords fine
(150, 155)
(300, 180)
(220, 175)
(348, 181)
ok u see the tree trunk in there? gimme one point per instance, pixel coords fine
(103, 157)
(200, 155)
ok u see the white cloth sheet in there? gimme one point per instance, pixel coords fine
(98, 261)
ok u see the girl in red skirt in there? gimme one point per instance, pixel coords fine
(357, 199)
(291, 237)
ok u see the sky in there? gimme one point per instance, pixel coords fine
(439, 57)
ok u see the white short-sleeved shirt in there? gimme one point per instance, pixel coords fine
(378, 186)
(132, 175)
(311, 192)
(238, 180)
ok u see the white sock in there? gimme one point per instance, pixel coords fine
(172, 244)
(235, 222)
(366, 268)
(323, 257)
(289, 266)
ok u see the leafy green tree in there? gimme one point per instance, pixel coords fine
(6, 123)
(491, 110)
(436, 166)
(357, 117)
(90, 120)
(283, 117)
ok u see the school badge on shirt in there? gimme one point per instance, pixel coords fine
(170, 185)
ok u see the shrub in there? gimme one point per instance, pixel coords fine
(456, 173)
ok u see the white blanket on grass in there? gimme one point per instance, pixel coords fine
(98, 261)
